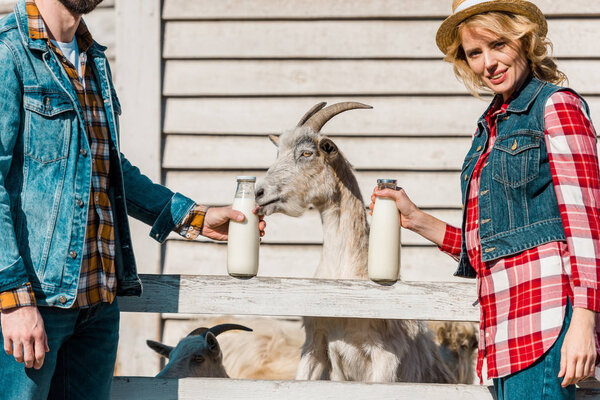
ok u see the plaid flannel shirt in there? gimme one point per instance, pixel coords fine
(523, 297)
(97, 282)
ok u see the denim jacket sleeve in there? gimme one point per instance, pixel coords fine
(12, 270)
(152, 203)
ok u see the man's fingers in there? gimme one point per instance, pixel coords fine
(18, 351)
(40, 353)
(236, 215)
(8, 346)
(28, 354)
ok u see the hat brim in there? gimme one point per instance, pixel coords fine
(448, 30)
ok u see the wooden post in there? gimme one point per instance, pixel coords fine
(138, 86)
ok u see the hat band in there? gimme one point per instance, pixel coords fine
(468, 3)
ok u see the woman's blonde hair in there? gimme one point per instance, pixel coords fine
(512, 28)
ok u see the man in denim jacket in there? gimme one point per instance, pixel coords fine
(65, 193)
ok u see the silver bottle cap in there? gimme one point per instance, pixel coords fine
(387, 183)
(246, 178)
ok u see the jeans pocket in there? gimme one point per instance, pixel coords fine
(516, 159)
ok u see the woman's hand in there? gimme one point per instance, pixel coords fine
(578, 352)
(408, 210)
(216, 222)
(411, 217)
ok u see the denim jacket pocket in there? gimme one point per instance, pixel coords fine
(516, 158)
(47, 132)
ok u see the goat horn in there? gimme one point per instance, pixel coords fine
(317, 121)
(311, 112)
(198, 331)
(218, 329)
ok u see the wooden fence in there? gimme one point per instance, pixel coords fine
(447, 301)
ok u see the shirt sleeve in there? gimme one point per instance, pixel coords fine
(18, 297)
(452, 242)
(571, 143)
(191, 225)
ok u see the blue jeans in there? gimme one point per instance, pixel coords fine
(81, 360)
(539, 381)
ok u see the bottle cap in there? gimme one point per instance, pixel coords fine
(246, 178)
(394, 181)
(386, 184)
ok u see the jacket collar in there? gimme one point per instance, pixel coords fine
(40, 41)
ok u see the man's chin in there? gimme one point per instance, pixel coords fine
(80, 7)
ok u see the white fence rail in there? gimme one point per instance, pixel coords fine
(301, 297)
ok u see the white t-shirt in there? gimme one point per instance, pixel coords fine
(71, 52)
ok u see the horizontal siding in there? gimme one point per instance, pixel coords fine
(427, 189)
(336, 77)
(405, 115)
(298, 261)
(344, 39)
(268, 9)
(373, 153)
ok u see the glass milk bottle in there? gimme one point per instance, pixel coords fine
(384, 237)
(242, 245)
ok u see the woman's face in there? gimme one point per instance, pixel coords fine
(501, 65)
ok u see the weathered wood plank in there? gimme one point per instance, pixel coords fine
(307, 229)
(389, 116)
(211, 388)
(229, 152)
(447, 301)
(344, 39)
(426, 189)
(299, 261)
(336, 77)
(267, 9)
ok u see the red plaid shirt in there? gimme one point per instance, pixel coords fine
(523, 297)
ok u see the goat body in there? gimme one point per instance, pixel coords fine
(311, 171)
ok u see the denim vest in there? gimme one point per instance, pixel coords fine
(45, 173)
(518, 209)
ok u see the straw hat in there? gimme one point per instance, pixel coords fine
(463, 9)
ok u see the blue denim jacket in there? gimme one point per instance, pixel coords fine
(518, 209)
(45, 173)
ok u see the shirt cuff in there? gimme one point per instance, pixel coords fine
(452, 243)
(586, 298)
(19, 297)
(191, 226)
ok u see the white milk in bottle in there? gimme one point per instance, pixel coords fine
(384, 237)
(242, 245)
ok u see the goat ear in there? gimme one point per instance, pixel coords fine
(328, 148)
(212, 344)
(274, 139)
(160, 348)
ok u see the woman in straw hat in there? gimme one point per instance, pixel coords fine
(531, 195)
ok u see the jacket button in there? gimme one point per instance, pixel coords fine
(83, 152)
(62, 299)
(466, 177)
(73, 254)
(79, 202)
(47, 102)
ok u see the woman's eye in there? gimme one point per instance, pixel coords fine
(499, 45)
(307, 154)
(473, 53)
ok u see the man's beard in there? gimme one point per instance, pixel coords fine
(80, 6)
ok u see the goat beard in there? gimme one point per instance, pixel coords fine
(80, 7)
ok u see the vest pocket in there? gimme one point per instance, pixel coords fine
(48, 117)
(516, 159)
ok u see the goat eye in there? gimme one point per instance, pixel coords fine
(198, 359)
(307, 154)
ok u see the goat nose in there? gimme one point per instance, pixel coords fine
(259, 193)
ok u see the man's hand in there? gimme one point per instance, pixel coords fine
(216, 222)
(578, 352)
(24, 335)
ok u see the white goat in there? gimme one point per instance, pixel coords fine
(196, 355)
(310, 170)
(271, 352)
